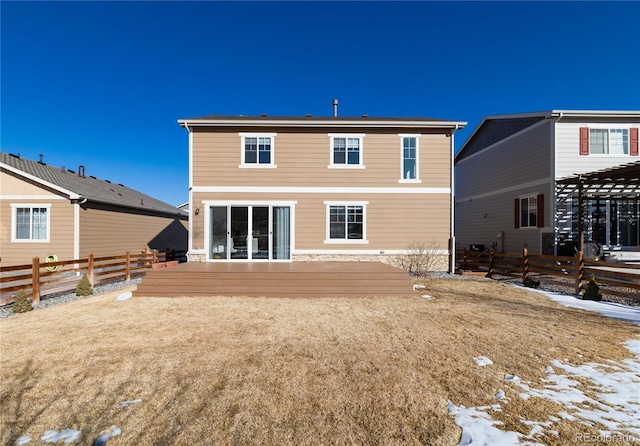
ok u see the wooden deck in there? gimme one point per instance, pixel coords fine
(295, 279)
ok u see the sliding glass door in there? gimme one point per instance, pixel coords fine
(249, 232)
(281, 232)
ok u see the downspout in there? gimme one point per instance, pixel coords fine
(452, 240)
(553, 188)
(76, 228)
(191, 207)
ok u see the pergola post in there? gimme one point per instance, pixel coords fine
(580, 216)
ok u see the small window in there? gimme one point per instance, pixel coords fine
(409, 158)
(257, 150)
(609, 141)
(30, 223)
(346, 223)
(346, 151)
(529, 212)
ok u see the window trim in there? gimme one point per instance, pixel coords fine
(333, 241)
(528, 197)
(257, 165)
(346, 165)
(608, 129)
(14, 222)
(417, 179)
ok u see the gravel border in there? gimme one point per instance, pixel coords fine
(61, 298)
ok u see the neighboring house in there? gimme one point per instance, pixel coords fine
(318, 188)
(47, 210)
(510, 175)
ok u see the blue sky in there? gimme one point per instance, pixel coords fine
(102, 83)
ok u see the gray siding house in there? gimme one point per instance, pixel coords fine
(508, 175)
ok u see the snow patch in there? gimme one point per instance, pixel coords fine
(483, 361)
(124, 296)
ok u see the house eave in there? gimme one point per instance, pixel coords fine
(70, 194)
(178, 213)
(325, 123)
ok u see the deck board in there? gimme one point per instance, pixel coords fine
(275, 279)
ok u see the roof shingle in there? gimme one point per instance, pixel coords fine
(91, 188)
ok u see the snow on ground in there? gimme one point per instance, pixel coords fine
(616, 385)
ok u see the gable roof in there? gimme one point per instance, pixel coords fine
(78, 187)
(495, 128)
(318, 121)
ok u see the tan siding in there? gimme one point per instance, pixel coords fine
(105, 230)
(393, 220)
(302, 159)
(12, 185)
(60, 239)
(26, 192)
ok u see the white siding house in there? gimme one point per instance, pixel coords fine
(507, 194)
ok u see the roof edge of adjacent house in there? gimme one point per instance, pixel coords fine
(78, 196)
(318, 122)
(72, 195)
(548, 114)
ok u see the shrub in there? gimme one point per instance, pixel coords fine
(84, 287)
(420, 258)
(530, 283)
(21, 304)
(592, 292)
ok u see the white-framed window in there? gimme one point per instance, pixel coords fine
(257, 149)
(605, 141)
(30, 222)
(346, 222)
(529, 211)
(409, 151)
(346, 151)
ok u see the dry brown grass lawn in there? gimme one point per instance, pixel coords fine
(242, 371)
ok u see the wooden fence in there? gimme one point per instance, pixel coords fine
(576, 270)
(39, 279)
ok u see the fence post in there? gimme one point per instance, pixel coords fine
(35, 280)
(491, 260)
(128, 267)
(90, 268)
(525, 265)
(579, 271)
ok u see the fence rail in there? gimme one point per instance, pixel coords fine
(550, 268)
(39, 279)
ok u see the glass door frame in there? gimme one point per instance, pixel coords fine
(250, 205)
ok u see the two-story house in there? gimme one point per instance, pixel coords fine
(512, 189)
(276, 188)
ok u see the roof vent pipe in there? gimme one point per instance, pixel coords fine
(81, 171)
(41, 156)
(335, 108)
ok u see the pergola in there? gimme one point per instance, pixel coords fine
(615, 183)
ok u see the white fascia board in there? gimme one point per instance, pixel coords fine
(72, 195)
(309, 123)
(596, 113)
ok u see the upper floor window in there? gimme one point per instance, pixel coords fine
(257, 150)
(346, 151)
(609, 141)
(30, 223)
(409, 158)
